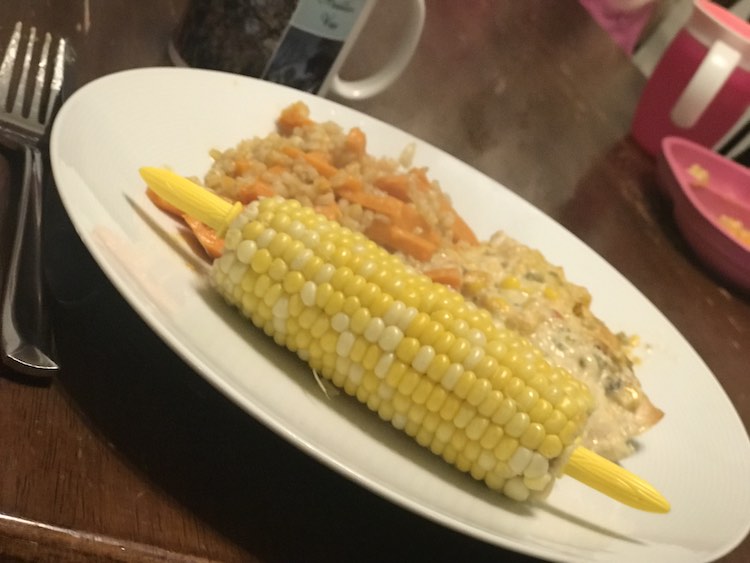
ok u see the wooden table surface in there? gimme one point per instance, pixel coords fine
(129, 455)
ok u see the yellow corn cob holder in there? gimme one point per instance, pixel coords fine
(450, 388)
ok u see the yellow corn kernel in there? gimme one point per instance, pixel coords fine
(510, 282)
(506, 448)
(450, 454)
(533, 436)
(505, 411)
(517, 425)
(476, 428)
(437, 398)
(438, 367)
(541, 411)
(422, 392)
(550, 292)
(465, 383)
(555, 422)
(494, 480)
(464, 415)
(450, 407)
(459, 439)
(491, 438)
(551, 446)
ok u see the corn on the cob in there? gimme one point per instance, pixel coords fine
(412, 350)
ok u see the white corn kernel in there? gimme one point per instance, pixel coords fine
(537, 483)
(515, 489)
(325, 273)
(265, 237)
(308, 293)
(473, 358)
(225, 262)
(406, 318)
(237, 271)
(295, 229)
(390, 338)
(423, 358)
(245, 251)
(374, 329)
(340, 322)
(476, 337)
(302, 258)
(356, 372)
(537, 467)
(384, 364)
(281, 308)
(345, 343)
(520, 460)
(394, 313)
(451, 376)
(232, 238)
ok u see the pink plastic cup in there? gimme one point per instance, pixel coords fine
(700, 89)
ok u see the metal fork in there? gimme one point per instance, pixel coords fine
(27, 341)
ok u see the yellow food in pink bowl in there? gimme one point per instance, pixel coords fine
(711, 204)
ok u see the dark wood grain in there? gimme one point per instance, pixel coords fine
(131, 456)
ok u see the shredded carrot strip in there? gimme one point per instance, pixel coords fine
(411, 219)
(291, 150)
(296, 115)
(412, 244)
(394, 237)
(350, 184)
(331, 211)
(212, 244)
(319, 161)
(448, 276)
(387, 205)
(241, 166)
(396, 185)
(356, 141)
(251, 192)
(462, 232)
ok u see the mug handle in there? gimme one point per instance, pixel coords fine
(376, 83)
(715, 69)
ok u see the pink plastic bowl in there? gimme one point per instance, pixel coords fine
(697, 209)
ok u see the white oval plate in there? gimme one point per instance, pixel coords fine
(698, 456)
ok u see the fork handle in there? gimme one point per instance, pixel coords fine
(27, 342)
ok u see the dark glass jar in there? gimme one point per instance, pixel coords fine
(237, 36)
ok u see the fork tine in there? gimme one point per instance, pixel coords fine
(6, 67)
(20, 93)
(35, 110)
(57, 78)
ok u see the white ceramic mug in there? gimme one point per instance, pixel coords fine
(301, 44)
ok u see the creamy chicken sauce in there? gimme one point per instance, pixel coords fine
(526, 293)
